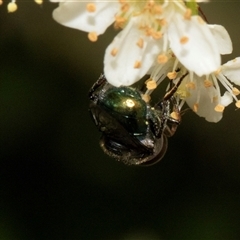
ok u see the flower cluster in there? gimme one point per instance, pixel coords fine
(160, 37)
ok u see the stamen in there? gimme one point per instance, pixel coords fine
(114, 52)
(125, 7)
(140, 42)
(188, 14)
(237, 104)
(172, 75)
(146, 98)
(162, 58)
(207, 83)
(184, 40)
(137, 64)
(92, 36)
(151, 84)
(91, 7)
(191, 85)
(219, 108)
(156, 35)
(235, 91)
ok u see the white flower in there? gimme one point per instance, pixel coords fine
(149, 29)
(202, 94)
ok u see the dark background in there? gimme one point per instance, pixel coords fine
(56, 183)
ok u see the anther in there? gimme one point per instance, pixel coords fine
(184, 40)
(162, 58)
(137, 64)
(140, 42)
(207, 83)
(91, 7)
(195, 107)
(235, 91)
(114, 52)
(219, 108)
(188, 14)
(92, 36)
(151, 84)
(172, 75)
(12, 7)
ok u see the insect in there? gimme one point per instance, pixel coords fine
(133, 131)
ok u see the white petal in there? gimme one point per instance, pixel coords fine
(119, 69)
(206, 104)
(74, 14)
(226, 99)
(200, 53)
(223, 39)
(231, 70)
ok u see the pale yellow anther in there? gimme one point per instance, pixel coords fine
(12, 7)
(114, 52)
(182, 94)
(151, 84)
(190, 85)
(219, 108)
(119, 22)
(195, 107)
(237, 104)
(137, 64)
(184, 40)
(156, 35)
(140, 42)
(172, 75)
(92, 36)
(207, 83)
(235, 91)
(146, 98)
(91, 7)
(175, 115)
(162, 58)
(188, 14)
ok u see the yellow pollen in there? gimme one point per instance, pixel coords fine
(191, 85)
(162, 58)
(188, 14)
(195, 107)
(12, 7)
(219, 108)
(184, 40)
(114, 52)
(237, 104)
(156, 35)
(38, 1)
(200, 20)
(172, 75)
(140, 42)
(137, 64)
(151, 84)
(207, 83)
(91, 7)
(175, 115)
(92, 36)
(146, 98)
(235, 91)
